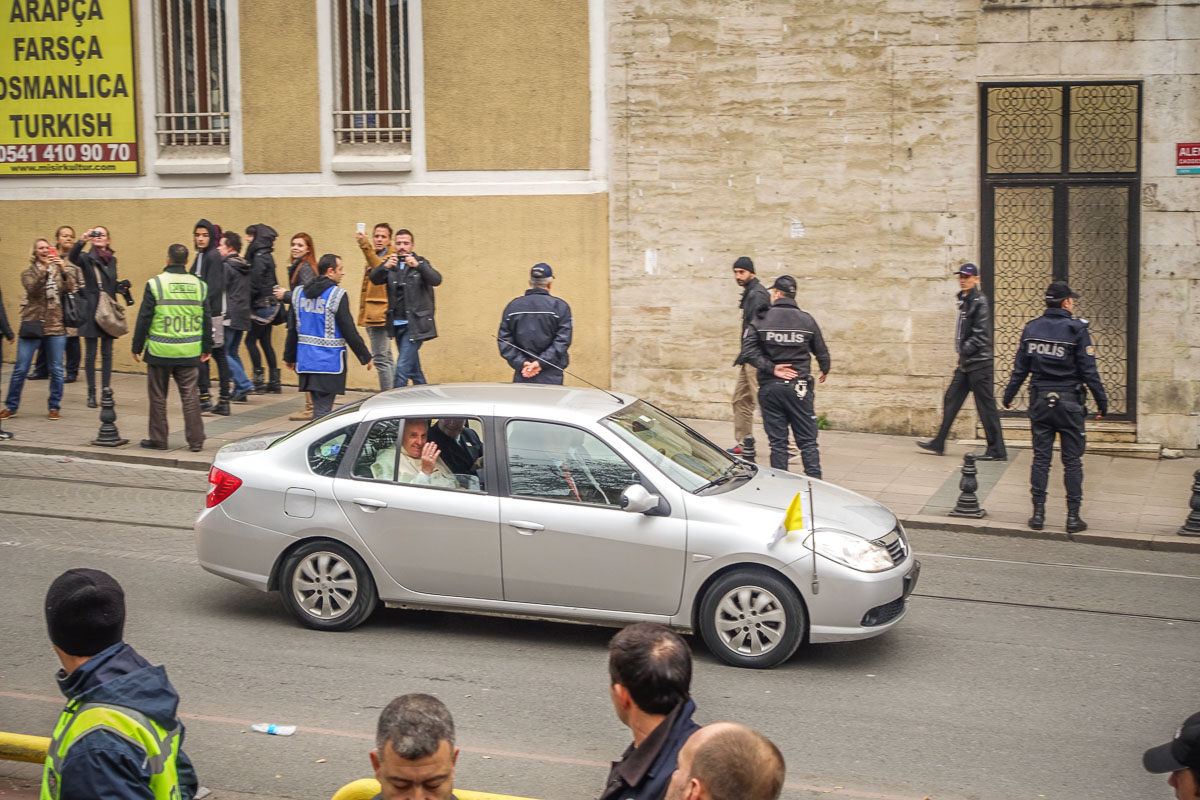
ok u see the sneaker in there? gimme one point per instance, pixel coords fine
(300, 415)
(53, 414)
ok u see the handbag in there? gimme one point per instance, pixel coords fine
(265, 315)
(31, 329)
(110, 316)
(72, 310)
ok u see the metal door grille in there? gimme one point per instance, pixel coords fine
(373, 101)
(193, 85)
(1061, 175)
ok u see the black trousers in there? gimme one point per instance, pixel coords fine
(979, 383)
(1057, 412)
(223, 376)
(70, 364)
(782, 408)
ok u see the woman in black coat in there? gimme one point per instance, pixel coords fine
(264, 307)
(99, 268)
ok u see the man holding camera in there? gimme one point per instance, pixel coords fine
(410, 279)
(535, 331)
(780, 344)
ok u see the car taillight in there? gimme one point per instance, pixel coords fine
(223, 485)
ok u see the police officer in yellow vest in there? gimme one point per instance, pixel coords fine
(119, 735)
(173, 329)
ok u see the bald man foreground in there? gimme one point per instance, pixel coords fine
(727, 761)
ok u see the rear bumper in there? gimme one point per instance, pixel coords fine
(237, 550)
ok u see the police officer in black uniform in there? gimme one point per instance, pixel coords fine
(1057, 349)
(780, 343)
(535, 331)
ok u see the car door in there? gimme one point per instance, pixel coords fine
(432, 539)
(564, 538)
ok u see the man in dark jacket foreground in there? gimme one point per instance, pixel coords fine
(319, 310)
(650, 674)
(535, 331)
(973, 343)
(119, 735)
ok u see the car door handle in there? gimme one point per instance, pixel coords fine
(526, 528)
(368, 503)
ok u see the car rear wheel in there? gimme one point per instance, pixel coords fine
(326, 586)
(750, 618)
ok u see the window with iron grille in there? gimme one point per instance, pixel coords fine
(193, 83)
(373, 104)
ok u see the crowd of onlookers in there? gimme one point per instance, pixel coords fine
(120, 734)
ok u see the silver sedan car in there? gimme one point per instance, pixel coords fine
(549, 502)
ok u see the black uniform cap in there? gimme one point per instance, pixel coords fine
(1181, 752)
(785, 284)
(1059, 290)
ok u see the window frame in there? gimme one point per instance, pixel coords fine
(504, 485)
(165, 55)
(342, 81)
(346, 468)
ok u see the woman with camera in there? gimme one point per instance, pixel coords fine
(99, 268)
(46, 282)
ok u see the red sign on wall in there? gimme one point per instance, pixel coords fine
(1187, 158)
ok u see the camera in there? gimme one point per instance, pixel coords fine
(123, 287)
(96, 232)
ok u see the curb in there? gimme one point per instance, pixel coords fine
(118, 455)
(1135, 541)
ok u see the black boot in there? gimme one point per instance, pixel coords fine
(221, 409)
(273, 385)
(1074, 523)
(91, 401)
(1038, 520)
(205, 403)
(259, 384)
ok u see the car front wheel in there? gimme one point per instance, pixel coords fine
(750, 618)
(326, 586)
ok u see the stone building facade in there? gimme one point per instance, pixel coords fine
(866, 147)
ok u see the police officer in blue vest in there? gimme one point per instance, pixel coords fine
(1057, 349)
(319, 331)
(780, 344)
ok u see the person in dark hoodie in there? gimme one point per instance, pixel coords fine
(237, 312)
(320, 359)
(264, 308)
(209, 267)
(119, 735)
(650, 676)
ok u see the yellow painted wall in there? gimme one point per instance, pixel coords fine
(483, 246)
(506, 84)
(280, 119)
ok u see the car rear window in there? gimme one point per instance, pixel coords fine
(325, 454)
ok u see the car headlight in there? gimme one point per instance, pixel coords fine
(853, 551)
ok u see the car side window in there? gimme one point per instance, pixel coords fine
(559, 462)
(325, 454)
(446, 452)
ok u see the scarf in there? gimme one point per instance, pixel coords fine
(104, 254)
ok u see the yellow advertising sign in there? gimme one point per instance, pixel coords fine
(67, 100)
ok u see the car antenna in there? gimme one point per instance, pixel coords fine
(563, 369)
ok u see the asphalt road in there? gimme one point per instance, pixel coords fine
(1014, 675)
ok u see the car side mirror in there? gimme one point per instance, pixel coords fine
(636, 500)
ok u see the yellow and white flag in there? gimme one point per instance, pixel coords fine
(793, 519)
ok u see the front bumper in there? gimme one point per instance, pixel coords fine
(852, 605)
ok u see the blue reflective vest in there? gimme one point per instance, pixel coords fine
(319, 343)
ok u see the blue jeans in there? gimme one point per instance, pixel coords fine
(408, 359)
(233, 340)
(26, 348)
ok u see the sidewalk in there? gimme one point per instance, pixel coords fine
(1128, 502)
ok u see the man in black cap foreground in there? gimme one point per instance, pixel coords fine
(1181, 758)
(973, 375)
(119, 735)
(535, 331)
(1057, 349)
(780, 344)
(755, 301)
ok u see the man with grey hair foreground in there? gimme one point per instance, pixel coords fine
(414, 753)
(727, 761)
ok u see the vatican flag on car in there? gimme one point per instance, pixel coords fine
(793, 519)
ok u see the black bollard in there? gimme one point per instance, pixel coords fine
(108, 436)
(1191, 527)
(968, 503)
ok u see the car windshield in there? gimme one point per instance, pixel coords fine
(683, 455)
(346, 409)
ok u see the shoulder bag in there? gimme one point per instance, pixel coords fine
(110, 315)
(72, 310)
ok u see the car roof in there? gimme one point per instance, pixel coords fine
(500, 399)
